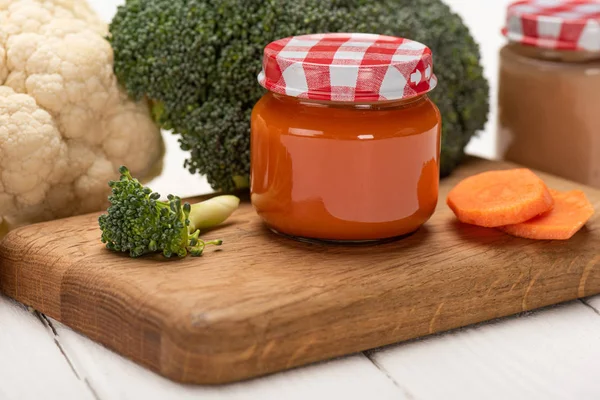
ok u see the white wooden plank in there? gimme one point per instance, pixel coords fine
(549, 354)
(31, 364)
(113, 377)
(593, 302)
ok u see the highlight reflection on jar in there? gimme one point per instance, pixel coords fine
(347, 170)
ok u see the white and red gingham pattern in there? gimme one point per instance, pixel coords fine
(347, 67)
(555, 24)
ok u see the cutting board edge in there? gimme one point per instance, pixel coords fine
(204, 363)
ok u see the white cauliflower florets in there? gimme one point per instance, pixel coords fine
(65, 124)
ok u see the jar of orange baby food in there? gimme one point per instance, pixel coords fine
(346, 143)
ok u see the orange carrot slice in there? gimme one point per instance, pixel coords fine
(499, 198)
(570, 213)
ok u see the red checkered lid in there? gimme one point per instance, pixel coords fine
(348, 67)
(572, 25)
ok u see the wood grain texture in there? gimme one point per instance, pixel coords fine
(552, 354)
(114, 378)
(266, 303)
(31, 364)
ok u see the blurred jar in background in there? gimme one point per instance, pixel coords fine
(549, 94)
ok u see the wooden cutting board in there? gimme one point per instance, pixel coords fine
(264, 303)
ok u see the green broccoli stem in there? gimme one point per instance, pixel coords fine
(200, 216)
(197, 250)
(196, 246)
(157, 110)
(205, 215)
(212, 212)
(241, 182)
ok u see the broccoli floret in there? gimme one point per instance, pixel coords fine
(139, 223)
(196, 61)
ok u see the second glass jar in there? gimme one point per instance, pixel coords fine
(549, 90)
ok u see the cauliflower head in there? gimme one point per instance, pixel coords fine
(65, 124)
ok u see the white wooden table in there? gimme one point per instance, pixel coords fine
(548, 354)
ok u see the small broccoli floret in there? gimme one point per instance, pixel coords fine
(139, 223)
(197, 62)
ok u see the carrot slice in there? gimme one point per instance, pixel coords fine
(499, 198)
(570, 213)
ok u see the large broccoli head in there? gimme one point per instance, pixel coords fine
(197, 61)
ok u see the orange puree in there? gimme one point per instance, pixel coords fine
(345, 171)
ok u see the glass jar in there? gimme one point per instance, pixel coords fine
(341, 164)
(549, 89)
